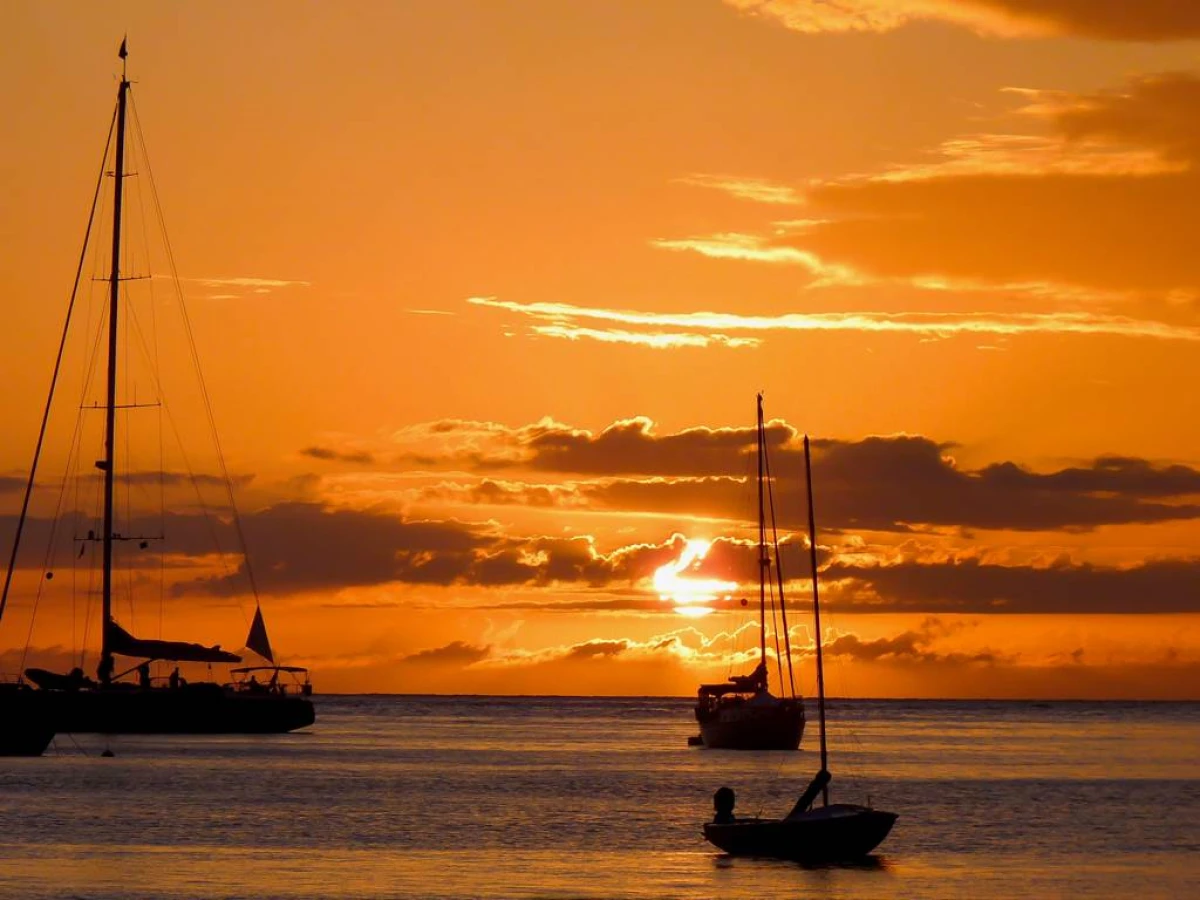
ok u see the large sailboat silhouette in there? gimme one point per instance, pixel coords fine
(112, 702)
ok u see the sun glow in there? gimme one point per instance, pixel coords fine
(691, 596)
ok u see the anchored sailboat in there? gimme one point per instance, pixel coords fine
(827, 833)
(73, 702)
(742, 713)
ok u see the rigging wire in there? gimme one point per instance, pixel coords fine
(162, 489)
(237, 520)
(74, 457)
(125, 485)
(775, 630)
(739, 615)
(787, 638)
(99, 264)
(150, 351)
(53, 381)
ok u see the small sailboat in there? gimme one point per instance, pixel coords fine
(742, 713)
(830, 832)
(113, 703)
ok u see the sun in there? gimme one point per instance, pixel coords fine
(691, 596)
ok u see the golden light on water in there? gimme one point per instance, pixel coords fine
(691, 596)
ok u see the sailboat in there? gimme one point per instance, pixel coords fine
(742, 713)
(830, 832)
(112, 703)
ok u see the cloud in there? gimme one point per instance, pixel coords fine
(237, 287)
(968, 585)
(146, 477)
(1114, 215)
(55, 658)
(631, 445)
(496, 492)
(456, 653)
(705, 328)
(330, 454)
(1025, 154)
(908, 647)
(242, 281)
(659, 340)
(897, 483)
(306, 546)
(1153, 111)
(1117, 20)
(733, 245)
(756, 189)
(879, 483)
(680, 645)
(597, 648)
(184, 479)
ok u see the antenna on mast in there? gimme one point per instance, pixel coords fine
(123, 53)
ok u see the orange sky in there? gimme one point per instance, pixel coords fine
(484, 291)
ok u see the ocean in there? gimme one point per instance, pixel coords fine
(522, 797)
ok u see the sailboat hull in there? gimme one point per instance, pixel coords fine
(837, 833)
(747, 726)
(24, 728)
(193, 709)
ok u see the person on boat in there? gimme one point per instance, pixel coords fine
(253, 685)
(75, 679)
(144, 676)
(723, 801)
(104, 671)
(175, 681)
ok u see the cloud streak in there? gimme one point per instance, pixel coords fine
(969, 585)
(563, 320)
(755, 189)
(1115, 20)
(331, 454)
(244, 281)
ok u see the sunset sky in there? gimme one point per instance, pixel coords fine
(484, 290)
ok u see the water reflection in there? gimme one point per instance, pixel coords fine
(543, 797)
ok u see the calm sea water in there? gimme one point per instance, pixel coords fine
(586, 797)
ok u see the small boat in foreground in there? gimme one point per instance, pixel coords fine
(831, 832)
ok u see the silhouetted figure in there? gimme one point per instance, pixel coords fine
(104, 671)
(254, 686)
(173, 679)
(723, 801)
(144, 676)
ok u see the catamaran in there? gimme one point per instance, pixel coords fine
(123, 697)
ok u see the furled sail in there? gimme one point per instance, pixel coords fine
(257, 639)
(122, 642)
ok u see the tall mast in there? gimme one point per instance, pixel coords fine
(110, 405)
(812, 555)
(764, 559)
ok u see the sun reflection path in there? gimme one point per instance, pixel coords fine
(691, 596)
